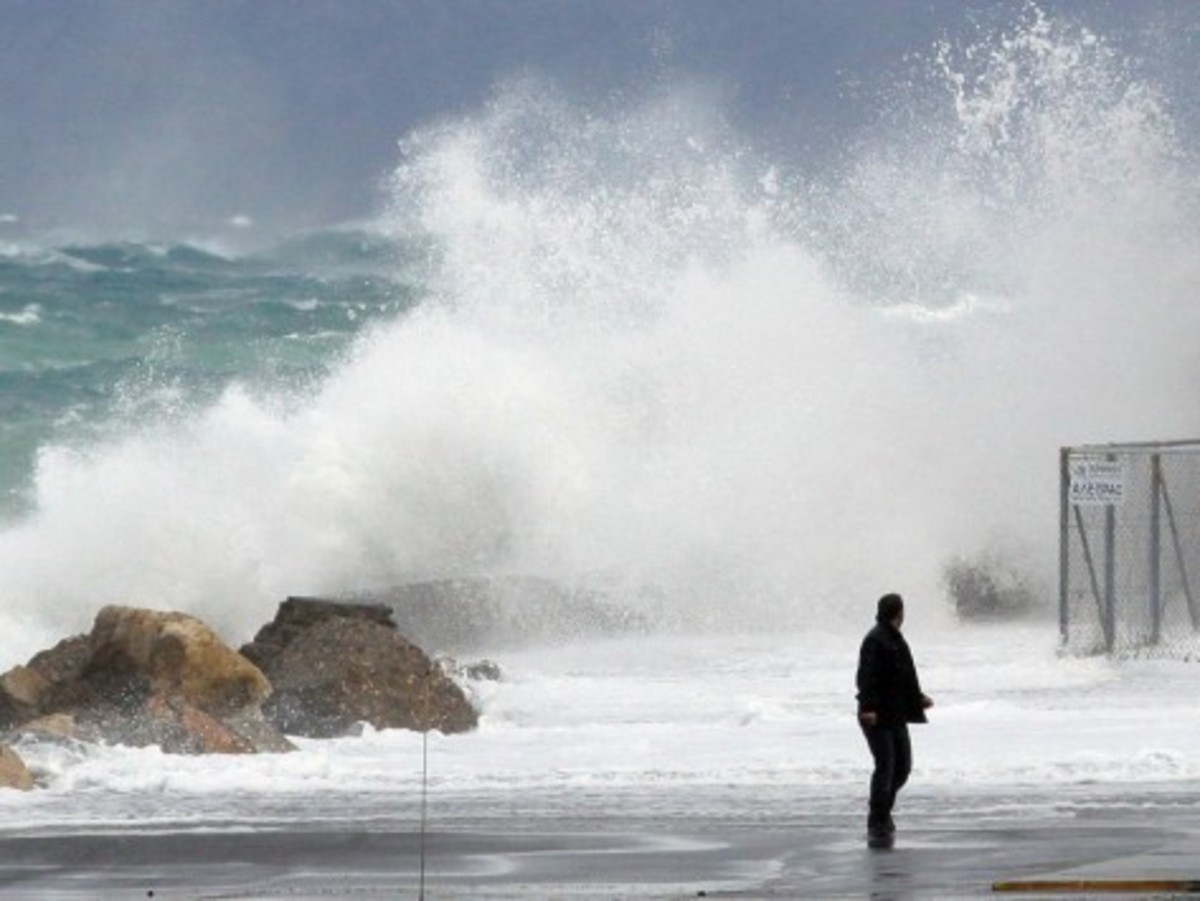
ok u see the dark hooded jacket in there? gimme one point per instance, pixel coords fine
(887, 678)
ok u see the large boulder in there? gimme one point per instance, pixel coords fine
(178, 656)
(64, 662)
(22, 690)
(52, 727)
(145, 677)
(335, 665)
(13, 772)
(30, 691)
(296, 615)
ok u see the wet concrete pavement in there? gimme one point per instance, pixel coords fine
(1109, 842)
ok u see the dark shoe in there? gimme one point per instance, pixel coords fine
(880, 840)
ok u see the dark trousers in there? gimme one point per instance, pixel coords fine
(892, 751)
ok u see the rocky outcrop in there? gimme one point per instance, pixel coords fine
(180, 657)
(44, 684)
(144, 677)
(336, 665)
(54, 726)
(21, 695)
(296, 615)
(13, 772)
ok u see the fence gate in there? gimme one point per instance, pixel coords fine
(1129, 548)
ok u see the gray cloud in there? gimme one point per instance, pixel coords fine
(171, 116)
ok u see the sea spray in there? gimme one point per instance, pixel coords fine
(1029, 207)
(650, 359)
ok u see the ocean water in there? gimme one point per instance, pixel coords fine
(99, 337)
(622, 348)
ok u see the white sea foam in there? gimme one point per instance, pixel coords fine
(30, 314)
(683, 714)
(640, 362)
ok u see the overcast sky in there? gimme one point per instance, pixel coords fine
(169, 115)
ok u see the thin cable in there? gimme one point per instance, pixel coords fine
(424, 792)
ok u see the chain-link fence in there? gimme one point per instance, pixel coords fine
(1129, 556)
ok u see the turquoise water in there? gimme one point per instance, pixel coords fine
(94, 337)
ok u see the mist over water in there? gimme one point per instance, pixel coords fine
(652, 360)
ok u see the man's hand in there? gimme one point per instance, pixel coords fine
(926, 702)
(868, 717)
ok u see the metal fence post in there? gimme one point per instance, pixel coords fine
(1155, 572)
(1110, 572)
(1064, 550)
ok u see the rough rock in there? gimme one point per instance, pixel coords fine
(143, 677)
(334, 666)
(186, 729)
(21, 691)
(13, 772)
(27, 692)
(64, 662)
(54, 726)
(177, 655)
(298, 614)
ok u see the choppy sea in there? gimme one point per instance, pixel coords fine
(99, 336)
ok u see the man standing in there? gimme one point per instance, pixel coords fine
(889, 698)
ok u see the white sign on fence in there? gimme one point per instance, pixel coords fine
(1096, 481)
